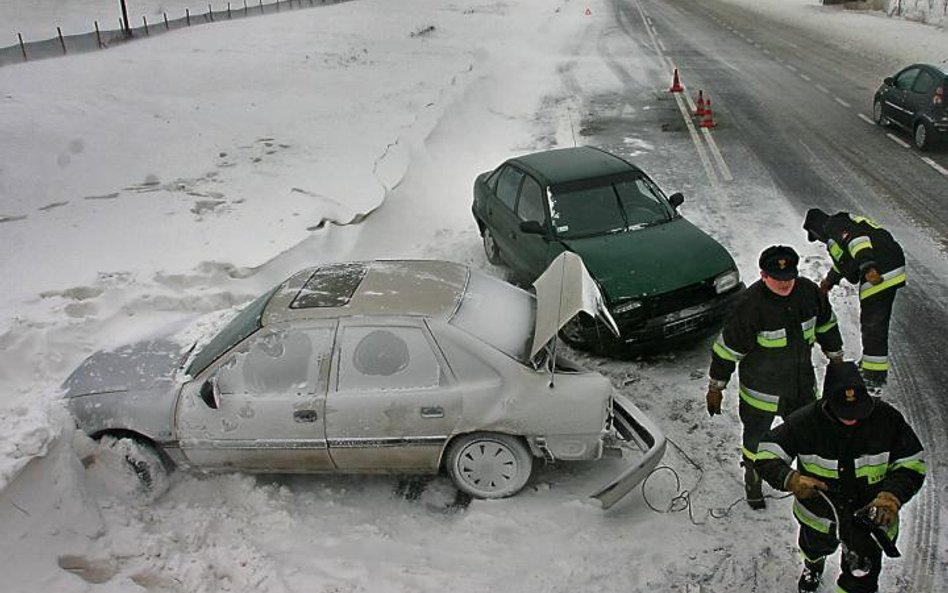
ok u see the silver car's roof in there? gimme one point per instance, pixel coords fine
(428, 288)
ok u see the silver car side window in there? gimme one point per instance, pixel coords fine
(276, 363)
(387, 358)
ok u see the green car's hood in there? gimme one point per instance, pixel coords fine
(652, 261)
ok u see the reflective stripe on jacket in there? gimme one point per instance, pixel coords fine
(769, 339)
(857, 462)
(856, 243)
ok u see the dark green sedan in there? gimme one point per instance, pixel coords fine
(666, 281)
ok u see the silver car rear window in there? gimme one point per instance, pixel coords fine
(497, 313)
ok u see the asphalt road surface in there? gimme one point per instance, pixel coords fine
(793, 119)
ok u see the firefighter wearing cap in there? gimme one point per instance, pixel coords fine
(768, 338)
(866, 255)
(858, 452)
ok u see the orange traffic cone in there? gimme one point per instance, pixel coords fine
(700, 108)
(676, 84)
(708, 121)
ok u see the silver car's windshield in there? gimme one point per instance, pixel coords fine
(240, 327)
(499, 314)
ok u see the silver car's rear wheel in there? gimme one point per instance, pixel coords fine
(491, 249)
(489, 465)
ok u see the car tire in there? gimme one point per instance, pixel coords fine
(922, 136)
(489, 465)
(877, 115)
(132, 469)
(490, 247)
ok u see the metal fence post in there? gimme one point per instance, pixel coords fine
(62, 42)
(98, 36)
(145, 21)
(22, 47)
(187, 16)
(165, 15)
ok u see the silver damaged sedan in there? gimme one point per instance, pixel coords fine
(403, 367)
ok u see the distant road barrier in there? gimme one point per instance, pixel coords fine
(61, 45)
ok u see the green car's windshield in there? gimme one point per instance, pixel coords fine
(240, 327)
(586, 210)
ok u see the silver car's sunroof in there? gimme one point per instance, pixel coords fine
(330, 286)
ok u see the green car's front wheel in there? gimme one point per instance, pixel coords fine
(491, 249)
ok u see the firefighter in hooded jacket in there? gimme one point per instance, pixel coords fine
(768, 338)
(866, 255)
(857, 463)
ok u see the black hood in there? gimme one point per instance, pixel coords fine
(815, 224)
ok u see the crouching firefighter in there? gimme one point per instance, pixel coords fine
(867, 255)
(768, 338)
(857, 463)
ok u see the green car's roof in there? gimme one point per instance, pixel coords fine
(566, 165)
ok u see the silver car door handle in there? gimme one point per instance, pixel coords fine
(305, 416)
(432, 412)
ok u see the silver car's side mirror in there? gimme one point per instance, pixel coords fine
(211, 394)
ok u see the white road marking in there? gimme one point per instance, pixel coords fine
(713, 147)
(866, 118)
(898, 140)
(661, 45)
(791, 67)
(805, 77)
(823, 89)
(841, 102)
(935, 166)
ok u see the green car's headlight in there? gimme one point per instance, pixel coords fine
(727, 281)
(626, 307)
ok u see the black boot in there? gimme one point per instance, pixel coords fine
(874, 380)
(753, 487)
(810, 579)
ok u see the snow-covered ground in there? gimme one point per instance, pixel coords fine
(187, 173)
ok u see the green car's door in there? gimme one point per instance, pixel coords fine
(534, 251)
(502, 220)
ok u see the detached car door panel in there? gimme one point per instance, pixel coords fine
(392, 403)
(272, 396)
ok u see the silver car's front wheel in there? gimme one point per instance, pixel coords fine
(489, 465)
(130, 468)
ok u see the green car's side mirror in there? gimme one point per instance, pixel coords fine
(211, 394)
(676, 199)
(531, 227)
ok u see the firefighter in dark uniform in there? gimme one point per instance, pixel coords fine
(768, 338)
(864, 254)
(859, 453)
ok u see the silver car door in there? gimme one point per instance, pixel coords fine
(271, 396)
(392, 402)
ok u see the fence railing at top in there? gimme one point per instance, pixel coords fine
(98, 38)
